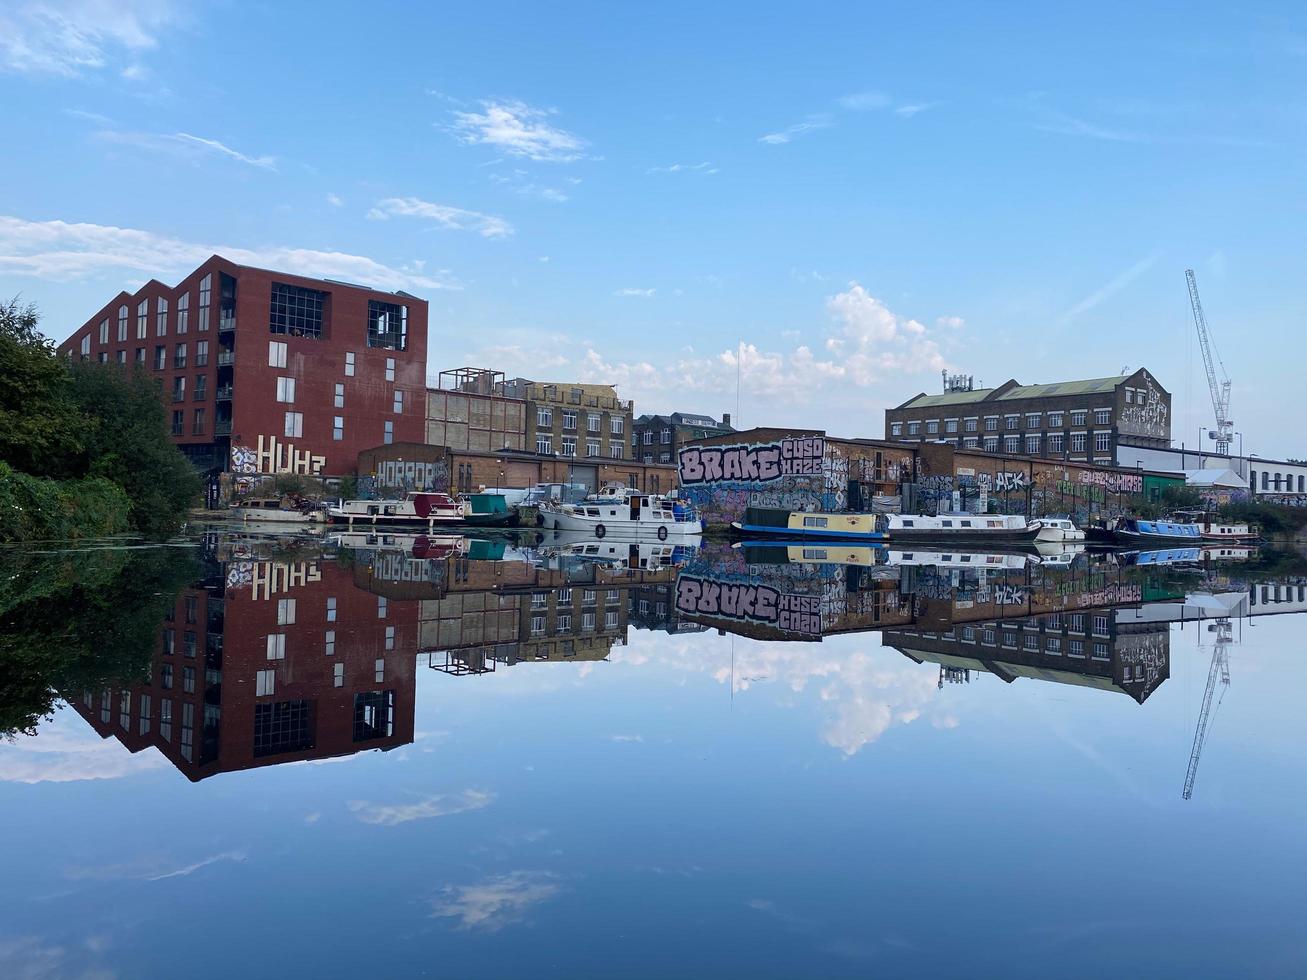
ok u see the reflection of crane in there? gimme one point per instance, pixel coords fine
(1220, 668)
(1224, 431)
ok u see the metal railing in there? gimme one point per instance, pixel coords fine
(226, 358)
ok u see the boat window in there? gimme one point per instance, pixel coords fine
(948, 523)
(965, 523)
(814, 522)
(908, 524)
(817, 554)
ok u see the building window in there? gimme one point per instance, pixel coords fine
(340, 395)
(165, 677)
(160, 357)
(896, 428)
(329, 643)
(140, 355)
(188, 680)
(383, 606)
(104, 331)
(286, 390)
(390, 369)
(991, 423)
(1102, 442)
(1032, 445)
(592, 422)
(294, 310)
(1032, 420)
(1077, 442)
(276, 646)
(970, 425)
(398, 405)
(179, 356)
(179, 389)
(1055, 442)
(569, 421)
(1078, 418)
(950, 425)
(86, 346)
(122, 357)
(390, 640)
(1012, 422)
(666, 437)
(183, 312)
(932, 426)
(569, 445)
(615, 450)
(387, 325)
(338, 427)
(1102, 416)
(202, 353)
(617, 425)
(143, 318)
(537, 625)
(1012, 445)
(349, 364)
(331, 609)
(544, 418)
(1055, 420)
(276, 353)
(103, 357)
(294, 428)
(206, 290)
(337, 675)
(592, 447)
(648, 437)
(387, 432)
(197, 427)
(914, 428)
(265, 683)
(971, 442)
(122, 324)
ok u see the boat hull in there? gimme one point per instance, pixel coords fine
(621, 529)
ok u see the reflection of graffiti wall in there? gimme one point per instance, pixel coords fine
(743, 602)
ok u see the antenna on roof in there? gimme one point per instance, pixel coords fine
(1125, 369)
(958, 382)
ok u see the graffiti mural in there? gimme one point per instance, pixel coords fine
(1114, 482)
(271, 456)
(760, 463)
(413, 475)
(1152, 418)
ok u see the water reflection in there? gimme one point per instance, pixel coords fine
(298, 649)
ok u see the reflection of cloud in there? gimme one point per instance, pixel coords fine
(496, 902)
(148, 869)
(66, 750)
(31, 958)
(863, 692)
(626, 738)
(439, 805)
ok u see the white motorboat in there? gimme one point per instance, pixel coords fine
(1057, 530)
(274, 510)
(414, 508)
(634, 515)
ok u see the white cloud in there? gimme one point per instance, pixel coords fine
(67, 750)
(70, 37)
(626, 738)
(438, 805)
(32, 958)
(518, 183)
(704, 168)
(63, 251)
(864, 101)
(184, 143)
(518, 130)
(190, 869)
(486, 225)
(950, 322)
(822, 121)
(629, 291)
(1067, 125)
(497, 901)
(335, 200)
(909, 110)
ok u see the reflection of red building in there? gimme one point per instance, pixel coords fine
(266, 372)
(276, 662)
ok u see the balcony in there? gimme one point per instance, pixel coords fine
(226, 321)
(222, 427)
(226, 358)
(223, 394)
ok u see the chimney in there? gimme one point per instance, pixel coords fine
(726, 421)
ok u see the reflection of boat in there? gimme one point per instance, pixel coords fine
(634, 515)
(1057, 530)
(647, 555)
(273, 510)
(1058, 555)
(1186, 556)
(957, 559)
(417, 545)
(414, 508)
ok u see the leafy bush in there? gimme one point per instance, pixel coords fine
(37, 509)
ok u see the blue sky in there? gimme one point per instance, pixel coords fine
(853, 197)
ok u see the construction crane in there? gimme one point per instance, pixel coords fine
(1220, 668)
(1220, 387)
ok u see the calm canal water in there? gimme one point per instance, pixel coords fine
(410, 757)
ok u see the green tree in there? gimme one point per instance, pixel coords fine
(41, 429)
(127, 443)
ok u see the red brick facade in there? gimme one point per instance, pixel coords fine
(252, 407)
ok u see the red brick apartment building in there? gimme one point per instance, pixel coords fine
(266, 372)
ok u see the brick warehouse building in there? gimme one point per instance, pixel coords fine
(266, 372)
(1072, 420)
